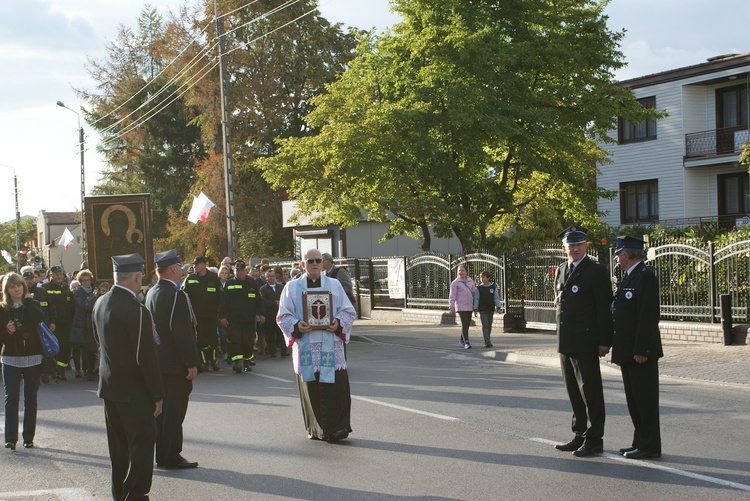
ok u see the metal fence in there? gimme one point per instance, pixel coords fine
(692, 276)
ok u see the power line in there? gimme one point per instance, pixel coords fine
(164, 103)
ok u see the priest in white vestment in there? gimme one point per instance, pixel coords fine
(316, 318)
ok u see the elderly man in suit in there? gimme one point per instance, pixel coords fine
(583, 296)
(178, 356)
(129, 379)
(637, 347)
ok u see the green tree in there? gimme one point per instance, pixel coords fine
(467, 112)
(27, 232)
(273, 71)
(156, 155)
(745, 156)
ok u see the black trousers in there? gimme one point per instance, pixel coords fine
(131, 434)
(169, 423)
(642, 394)
(62, 333)
(583, 381)
(241, 340)
(274, 337)
(206, 333)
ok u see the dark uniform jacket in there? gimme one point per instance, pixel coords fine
(584, 319)
(205, 294)
(636, 313)
(61, 299)
(241, 301)
(40, 295)
(24, 341)
(129, 367)
(81, 331)
(270, 297)
(175, 327)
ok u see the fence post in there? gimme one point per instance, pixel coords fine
(406, 286)
(712, 281)
(357, 276)
(371, 272)
(504, 283)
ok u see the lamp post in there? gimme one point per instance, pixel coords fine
(83, 181)
(18, 218)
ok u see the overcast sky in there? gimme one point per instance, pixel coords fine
(44, 45)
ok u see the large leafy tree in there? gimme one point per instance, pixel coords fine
(149, 147)
(464, 115)
(26, 232)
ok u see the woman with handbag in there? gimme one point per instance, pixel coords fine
(21, 356)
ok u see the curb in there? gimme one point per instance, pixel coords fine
(539, 360)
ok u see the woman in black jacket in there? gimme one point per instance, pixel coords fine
(21, 356)
(82, 331)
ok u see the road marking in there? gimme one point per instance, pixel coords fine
(657, 466)
(407, 409)
(61, 494)
(273, 377)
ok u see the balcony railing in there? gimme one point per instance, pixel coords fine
(711, 143)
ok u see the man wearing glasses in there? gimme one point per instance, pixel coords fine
(316, 318)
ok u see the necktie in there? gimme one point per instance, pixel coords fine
(569, 271)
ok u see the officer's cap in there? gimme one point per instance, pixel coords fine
(573, 235)
(167, 258)
(199, 259)
(628, 242)
(55, 269)
(240, 264)
(28, 274)
(127, 263)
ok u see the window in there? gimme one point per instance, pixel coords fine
(734, 193)
(731, 107)
(639, 202)
(631, 132)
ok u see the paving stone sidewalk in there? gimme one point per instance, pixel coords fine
(714, 363)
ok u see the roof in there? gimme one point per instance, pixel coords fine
(62, 217)
(712, 65)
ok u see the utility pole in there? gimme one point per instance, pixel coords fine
(81, 145)
(231, 206)
(18, 219)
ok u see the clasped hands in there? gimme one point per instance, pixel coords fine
(303, 327)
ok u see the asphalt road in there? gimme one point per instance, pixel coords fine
(429, 423)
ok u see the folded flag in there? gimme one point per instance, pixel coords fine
(201, 207)
(66, 238)
(7, 256)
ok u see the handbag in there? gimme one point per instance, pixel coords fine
(50, 346)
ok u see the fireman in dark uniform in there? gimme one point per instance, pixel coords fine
(129, 379)
(61, 299)
(39, 294)
(241, 306)
(204, 289)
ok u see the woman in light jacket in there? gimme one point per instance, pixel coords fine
(461, 300)
(21, 356)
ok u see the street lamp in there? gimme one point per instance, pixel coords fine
(83, 180)
(18, 218)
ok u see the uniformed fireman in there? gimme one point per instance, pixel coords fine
(241, 306)
(61, 299)
(204, 289)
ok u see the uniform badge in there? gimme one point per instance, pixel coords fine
(628, 295)
(574, 289)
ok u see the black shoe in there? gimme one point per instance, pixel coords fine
(248, 368)
(338, 435)
(10, 445)
(28, 445)
(180, 464)
(488, 345)
(236, 367)
(570, 446)
(62, 377)
(627, 449)
(215, 367)
(45, 378)
(250, 362)
(639, 454)
(588, 448)
(78, 374)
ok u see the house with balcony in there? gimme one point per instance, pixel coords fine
(683, 170)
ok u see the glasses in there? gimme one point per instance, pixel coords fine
(315, 261)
